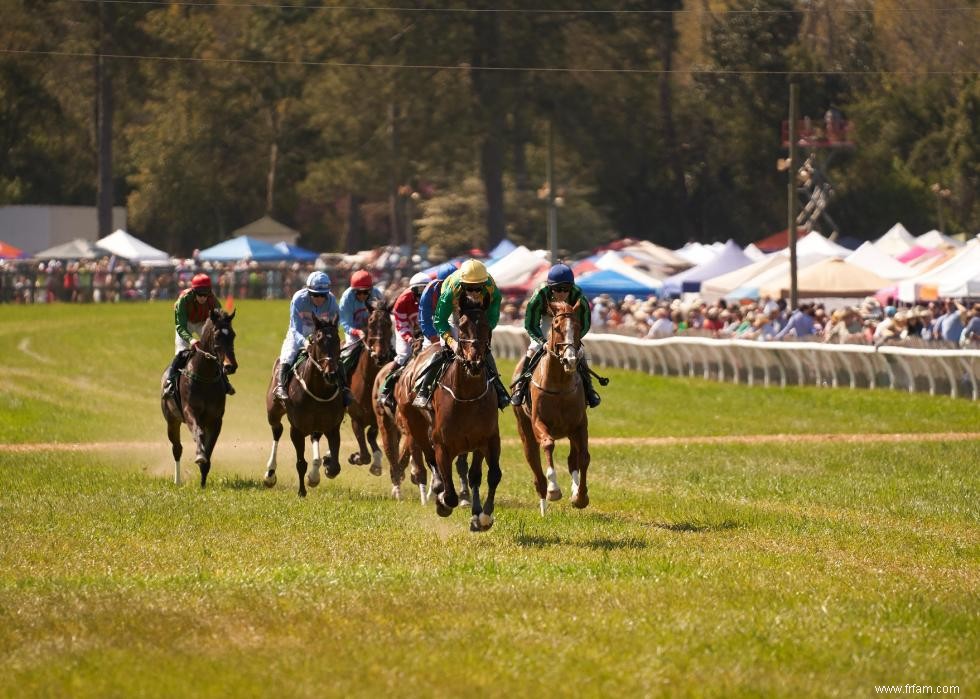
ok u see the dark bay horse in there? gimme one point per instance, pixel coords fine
(315, 406)
(557, 409)
(464, 418)
(201, 392)
(377, 351)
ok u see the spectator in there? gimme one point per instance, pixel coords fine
(800, 324)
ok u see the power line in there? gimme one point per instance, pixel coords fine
(539, 11)
(467, 67)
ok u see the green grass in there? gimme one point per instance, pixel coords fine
(719, 570)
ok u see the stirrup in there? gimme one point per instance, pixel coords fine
(593, 400)
(421, 400)
(281, 393)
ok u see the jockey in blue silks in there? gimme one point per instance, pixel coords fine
(427, 303)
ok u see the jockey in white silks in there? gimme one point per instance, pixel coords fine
(405, 313)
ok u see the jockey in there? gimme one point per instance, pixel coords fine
(560, 286)
(353, 305)
(191, 311)
(473, 281)
(406, 315)
(315, 299)
(427, 303)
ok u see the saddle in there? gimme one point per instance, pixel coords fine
(350, 355)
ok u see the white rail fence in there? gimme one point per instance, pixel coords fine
(954, 373)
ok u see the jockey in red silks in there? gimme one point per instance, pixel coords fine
(405, 313)
(191, 311)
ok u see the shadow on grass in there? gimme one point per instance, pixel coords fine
(239, 483)
(536, 541)
(697, 527)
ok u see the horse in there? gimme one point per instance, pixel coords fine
(464, 418)
(557, 409)
(380, 351)
(315, 406)
(200, 391)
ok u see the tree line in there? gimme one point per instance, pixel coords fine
(429, 123)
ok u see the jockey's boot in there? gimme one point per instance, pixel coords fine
(503, 398)
(173, 371)
(282, 392)
(527, 365)
(591, 397)
(386, 396)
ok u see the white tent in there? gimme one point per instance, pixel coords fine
(752, 288)
(935, 239)
(122, 244)
(871, 258)
(753, 252)
(895, 241)
(958, 277)
(656, 255)
(830, 278)
(516, 268)
(719, 287)
(816, 244)
(698, 253)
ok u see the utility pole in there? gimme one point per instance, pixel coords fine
(791, 201)
(103, 126)
(552, 209)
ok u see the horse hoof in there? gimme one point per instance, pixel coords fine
(332, 472)
(580, 501)
(302, 493)
(269, 480)
(443, 510)
(200, 459)
(313, 479)
(486, 521)
(376, 461)
(475, 524)
(396, 492)
(554, 495)
(354, 459)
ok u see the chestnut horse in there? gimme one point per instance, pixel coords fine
(315, 406)
(557, 409)
(464, 418)
(201, 392)
(398, 444)
(377, 351)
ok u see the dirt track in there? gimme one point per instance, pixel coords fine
(595, 441)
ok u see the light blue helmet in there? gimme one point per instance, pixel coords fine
(444, 270)
(318, 283)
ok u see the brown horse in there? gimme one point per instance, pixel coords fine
(201, 391)
(379, 351)
(464, 418)
(398, 445)
(557, 409)
(315, 406)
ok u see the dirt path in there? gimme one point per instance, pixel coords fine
(595, 441)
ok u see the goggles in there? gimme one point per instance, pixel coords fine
(561, 288)
(202, 292)
(317, 294)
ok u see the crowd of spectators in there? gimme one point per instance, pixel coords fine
(947, 323)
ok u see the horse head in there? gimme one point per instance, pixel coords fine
(218, 339)
(474, 339)
(565, 338)
(324, 347)
(379, 332)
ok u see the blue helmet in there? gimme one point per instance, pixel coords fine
(444, 270)
(318, 282)
(560, 274)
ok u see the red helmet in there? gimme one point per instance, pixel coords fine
(361, 280)
(201, 281)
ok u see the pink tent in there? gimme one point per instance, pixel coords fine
(912, 253)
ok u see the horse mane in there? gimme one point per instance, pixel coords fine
(559, 307)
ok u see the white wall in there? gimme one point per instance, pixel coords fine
(34, 228)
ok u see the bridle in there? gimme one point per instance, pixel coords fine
(564, 352)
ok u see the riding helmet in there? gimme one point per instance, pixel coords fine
(361, 279)
(473, 272)
(201, 281)
(419, 279)
(444, 270)
(318, 282)
(560, 274)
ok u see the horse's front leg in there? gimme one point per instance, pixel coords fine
(493, 480)
(463, 469)
(532, 454)
(360, 456)
(270, 467)
(299, 443)
(578, 466)
(372, 438)
(332, 462)
(200, 442)
(313, 475)
(548, 445)
(447, 499)
(176, 448)
(474, 477)
(210, 440)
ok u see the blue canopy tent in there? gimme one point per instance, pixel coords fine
(729, 259)
(295, 252)
(243, 248)
(503, 248)
(615, 284)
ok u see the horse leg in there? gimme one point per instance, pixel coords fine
(313, 475)
(332, 469)
(360, 456)
(548, 445)
(270, 467)
(493, 480)
(200, 441)
(532, 454)
(210, 440)
(372, 438)
(300, 445)
(447, 500)
(474, 477)
(176, 448)
(580, 453)
(462, 468)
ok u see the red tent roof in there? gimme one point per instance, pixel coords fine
(778, 241)
(9, 252)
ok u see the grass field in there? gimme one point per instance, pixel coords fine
(706, 569)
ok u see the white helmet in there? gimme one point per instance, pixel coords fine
(419, 279)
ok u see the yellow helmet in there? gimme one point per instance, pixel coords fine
(473, 272)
